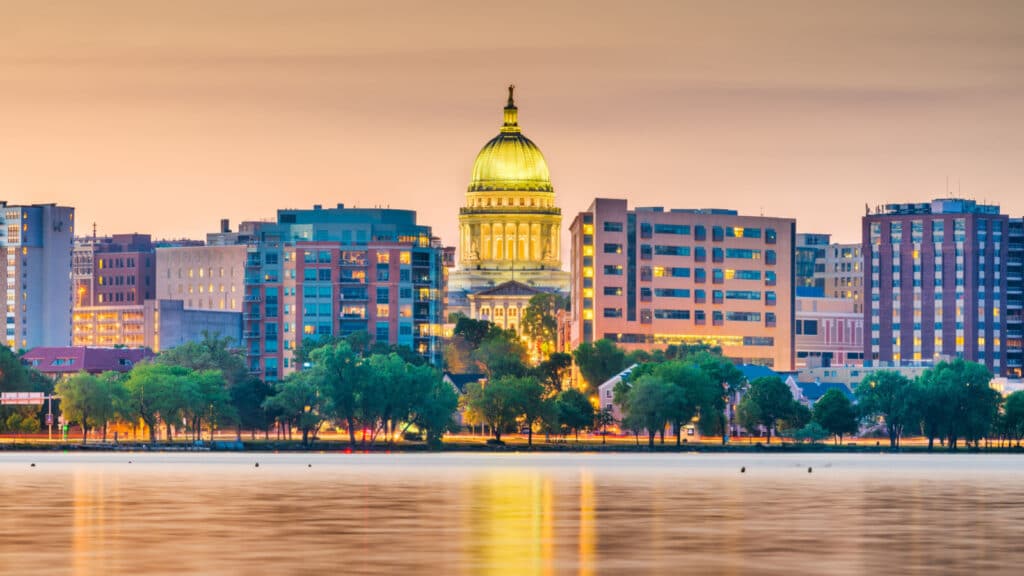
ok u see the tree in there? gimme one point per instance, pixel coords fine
(432, 412)
(957, 402)
(495, 403)
(473, 331)
(501, 354)
(812, 432)
(339, 373)
(653, 403)
(155, 393)
(887, 394)
(721, 371)
(575, 411)
(78, 397)
(602, 419)
(768, 401)
(213, 352)
(540, 323)
(835, 414)
(551, 372)
(700, 395)
(301, 402)
(529, 402)
(599, 361)
(247, 398)
(799, 416)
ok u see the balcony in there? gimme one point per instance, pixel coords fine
(252, 298)
(251, 335)
(250, 316)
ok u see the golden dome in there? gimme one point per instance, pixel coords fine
(510, 161)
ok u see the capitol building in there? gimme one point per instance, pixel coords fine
(509, 230)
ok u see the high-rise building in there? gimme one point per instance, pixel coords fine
(840, 273)
(36, 242)
(114, 270)
(509, 229)
(203, 277)
(650, 277)
(809, 263)
(938, 283)
(333, 272)
(1015, 300)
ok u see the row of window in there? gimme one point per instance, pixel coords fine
(718, 233)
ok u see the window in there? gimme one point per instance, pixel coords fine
(383, 273)
(662, 250)
(742, 295)
(610, 248)
(770, 236)
(671, 292)
(612, 291)
(700, 233)
(699, 296)
(613, 312)
(674, 272)
(680, 229)
(613, 226)
(743, 253)
(383, 257)
(383, 295)
(717, 234)
(324, 274)
(743, 316)
(613, 269)
(807, 327)
(740, 232)
(700, 254)
(668, 314)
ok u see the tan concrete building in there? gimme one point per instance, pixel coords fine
(203, 277)
(829, 331)
(650, 277)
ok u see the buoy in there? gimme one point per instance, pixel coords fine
(33, 465)
(743, 469)
(808, 469)
(309, 465)
(257, 464)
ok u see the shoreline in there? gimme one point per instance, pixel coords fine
(257, 447)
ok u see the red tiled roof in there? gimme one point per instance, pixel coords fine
(71, 359)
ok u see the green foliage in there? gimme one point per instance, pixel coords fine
(1013, 416)
(888, 395)
(599, 361)
(496, 403)
(799, 416)
(301, 402)
(768, 401)
(540, 323)
(92, 400)
(473, 331)
(653, 403)
(529, 402)
(501, 354)
(551, 372)
(432, 411)
(955, 401)
(575, 412)
(812, 432)
(835, 414)
(211, 353)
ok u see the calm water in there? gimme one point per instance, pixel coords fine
(510, 514)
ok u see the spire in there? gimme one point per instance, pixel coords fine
(511, 112)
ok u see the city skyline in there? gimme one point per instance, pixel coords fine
(159, 117)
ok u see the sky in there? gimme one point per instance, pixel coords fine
(164, 117)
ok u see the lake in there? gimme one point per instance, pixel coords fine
(621, 514)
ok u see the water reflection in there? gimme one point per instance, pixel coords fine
(505, 514)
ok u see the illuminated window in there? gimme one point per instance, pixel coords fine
(588, 250)
(405, 257)
(383, 257)
(588, 314)
(588, 272)
(588, 229)
(588, 292)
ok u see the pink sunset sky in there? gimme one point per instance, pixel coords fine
(163, 117)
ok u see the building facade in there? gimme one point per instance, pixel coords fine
(510, 227)
(203, 277)
(828, 331)
(36, 243)
(938, 283)
(114, 270)
(647, 278)
(333, 272)
(842, 273)
(809, 263)
(1015, 300)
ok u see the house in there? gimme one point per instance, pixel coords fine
(59, 362)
